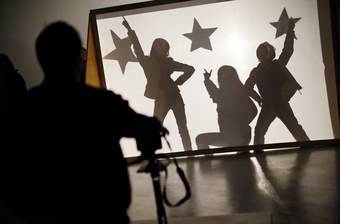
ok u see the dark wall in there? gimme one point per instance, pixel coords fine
(21, 21)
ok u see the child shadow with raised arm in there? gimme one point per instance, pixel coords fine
(234, 108)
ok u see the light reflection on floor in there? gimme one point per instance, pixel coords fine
(264, 184)
(295, 186)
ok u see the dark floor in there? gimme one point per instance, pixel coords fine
(295, 186)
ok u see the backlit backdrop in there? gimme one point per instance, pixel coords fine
(207, 36)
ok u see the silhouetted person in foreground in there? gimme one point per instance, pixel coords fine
(12, 85)
(82, 69)
(158, 68)
(63, 163)
(276, 86)
(234, 108)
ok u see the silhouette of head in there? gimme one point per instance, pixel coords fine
(227, 75)
(6, 66)
(58, 49)
(265, 52)
(160, 48)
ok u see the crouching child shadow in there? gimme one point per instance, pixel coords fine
(234, 108)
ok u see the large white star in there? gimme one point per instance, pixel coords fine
(200, 37)
(283, 23)
(123, 53)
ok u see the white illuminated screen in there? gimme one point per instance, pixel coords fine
(241, 26)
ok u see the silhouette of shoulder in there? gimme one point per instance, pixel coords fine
(83, 106)
(87, 93)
